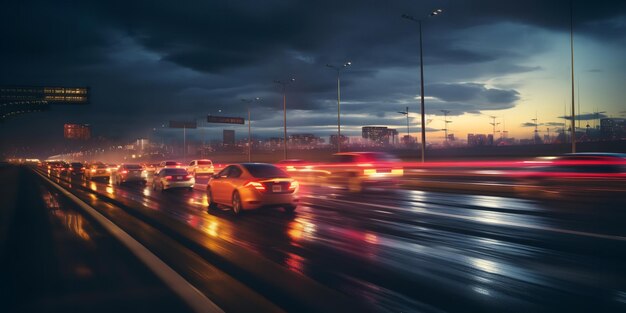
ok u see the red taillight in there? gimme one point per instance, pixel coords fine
(258, 186)
(93, 170)
(293, 185)
(124, 172)
(168, 177)
(188, 177)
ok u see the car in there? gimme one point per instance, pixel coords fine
(97, 170)
(169, 178)
(168, 164)
(572, 174)
(358, 170)
(128, 173)
(293, 165)
(76, 169)
(201, 168)
(249, 186)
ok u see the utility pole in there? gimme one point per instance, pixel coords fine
(445, 121)
(494, 124)
(536, 132)
(408, 134)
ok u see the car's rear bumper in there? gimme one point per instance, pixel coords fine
(253, 200)
(178, 184)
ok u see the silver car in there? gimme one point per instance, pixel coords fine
(169, 178)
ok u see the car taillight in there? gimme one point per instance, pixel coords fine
(124, 172)
(168, 177)
(93, 170)
(293, 185)
(258, 186)
(369, 171)
(188, 177)
(108, 169)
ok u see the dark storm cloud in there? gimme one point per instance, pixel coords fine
(473, 97)
(151, 61)
(586, 116)
(554, 124)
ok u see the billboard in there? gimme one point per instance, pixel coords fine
(225, 120)
(51, 95)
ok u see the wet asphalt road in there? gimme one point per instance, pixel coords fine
(56, 259)
(418, 251)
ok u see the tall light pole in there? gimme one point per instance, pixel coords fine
(408, 134)
(338, 69)
(284, 85)
(423, 113)
(250, 127)
(571, 45)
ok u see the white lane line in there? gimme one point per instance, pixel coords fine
(198, 302)
(473, 219)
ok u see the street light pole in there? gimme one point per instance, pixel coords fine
(423, 113)
(408, 133)
(571, 44)
(250, 127)
(338, 69)
(284, 85)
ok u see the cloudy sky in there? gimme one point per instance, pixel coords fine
(148, 62)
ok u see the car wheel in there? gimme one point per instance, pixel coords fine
(289, 209)
(237, 206)
(209, 196)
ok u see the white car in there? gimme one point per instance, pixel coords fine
(169, 178)
(201, 168)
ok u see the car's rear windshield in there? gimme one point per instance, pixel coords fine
(265, 171)
(171, 163)
(133, 166)
(101, 166)
(205, 162)
(174, 171)
(76, 164)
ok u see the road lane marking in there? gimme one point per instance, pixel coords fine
(198, 302)
(474, 219)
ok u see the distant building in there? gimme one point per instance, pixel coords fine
(142, 144)
(479, 139)
(377, 135)
(77, 131)
(612, 128)
(344, 140)
(304, 140)
(228, 137)
(51, 95)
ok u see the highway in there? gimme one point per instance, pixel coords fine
(394, 250)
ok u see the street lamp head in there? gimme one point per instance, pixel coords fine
(436, 12)
(293, 79)
(347, 64)
(408, 17)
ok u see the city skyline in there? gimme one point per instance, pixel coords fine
(509, 61)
